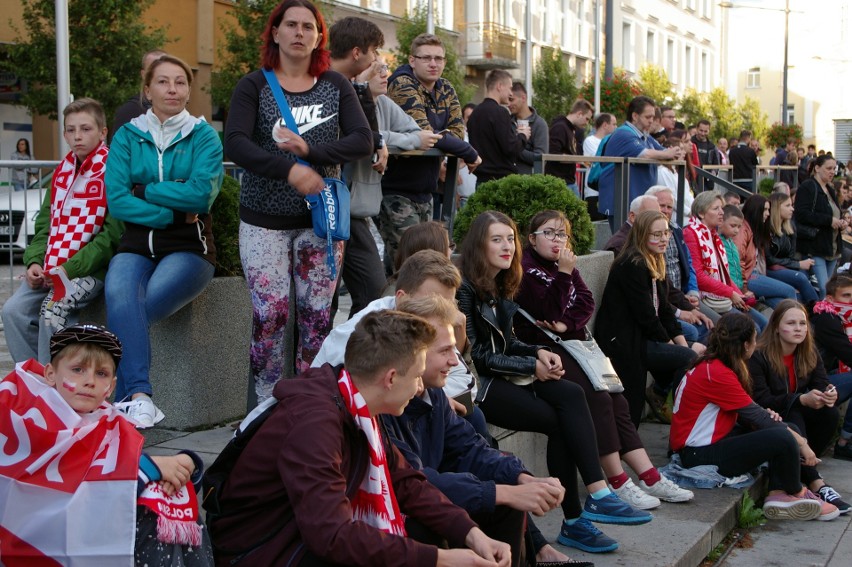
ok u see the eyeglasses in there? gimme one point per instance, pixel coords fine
(383, 69)
(552, 234)
(429, 58)
(660, 235)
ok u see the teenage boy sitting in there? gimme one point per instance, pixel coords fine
(495, 488)
(74, 240)
(319, 484)
(832, 325)
(100, 459)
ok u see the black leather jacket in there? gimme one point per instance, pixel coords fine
(782, 252)
(494, 349)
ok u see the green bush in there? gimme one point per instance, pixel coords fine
(765, 185)
(226, 229)
(522, 196)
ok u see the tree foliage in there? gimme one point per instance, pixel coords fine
(727, 118)
(615, 94)
(413, 24)
(654, 82)
(240, 52)
(554, 85)
(107, 40)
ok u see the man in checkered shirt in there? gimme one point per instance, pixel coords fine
(74, 240)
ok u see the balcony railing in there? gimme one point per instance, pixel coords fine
(490, 45)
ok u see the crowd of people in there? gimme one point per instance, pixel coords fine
(374, 449)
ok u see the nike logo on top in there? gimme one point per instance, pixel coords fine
(308, 117)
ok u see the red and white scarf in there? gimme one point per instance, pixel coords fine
(714, 259)
(844, 312)
(78, 207)
(375, 502)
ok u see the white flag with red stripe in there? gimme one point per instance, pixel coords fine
(67, 482)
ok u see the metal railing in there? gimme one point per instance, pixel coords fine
(490, 40)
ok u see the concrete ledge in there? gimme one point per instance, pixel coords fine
(200, 356)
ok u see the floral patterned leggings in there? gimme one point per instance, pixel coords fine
(272, 261)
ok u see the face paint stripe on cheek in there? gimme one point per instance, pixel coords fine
(69, 385)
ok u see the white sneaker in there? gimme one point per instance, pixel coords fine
(632, 495)
(141, 411)
(664, 489)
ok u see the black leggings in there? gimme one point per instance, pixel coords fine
(558, 409)
(738, 454)
(818, 427)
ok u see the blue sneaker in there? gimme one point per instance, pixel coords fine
(585, 536)
(612, 510)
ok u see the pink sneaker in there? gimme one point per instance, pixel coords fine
(789, 507)
(828, 511)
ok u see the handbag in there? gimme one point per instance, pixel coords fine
(330, 209)
(595, 364)
(720, 305)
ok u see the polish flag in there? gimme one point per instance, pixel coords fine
(67, 482)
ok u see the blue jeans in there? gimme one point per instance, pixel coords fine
(140, 291)
(823, 269)
(694, 333)
(798, 280)
(771, 290)
(843, 383)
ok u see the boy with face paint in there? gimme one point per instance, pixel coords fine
(82, 371)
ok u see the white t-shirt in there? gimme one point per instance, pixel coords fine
(590, 148)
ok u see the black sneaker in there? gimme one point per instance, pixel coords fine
(832, 497)
(843, 451)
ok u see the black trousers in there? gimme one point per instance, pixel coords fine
(558, 409)
(818, 427)
(740, 453)
(363, 271)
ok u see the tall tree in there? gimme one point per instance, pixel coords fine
(240, 52)
(554, 85)
(107, 41)
(754, 118)
(654, 82)
(413, 24)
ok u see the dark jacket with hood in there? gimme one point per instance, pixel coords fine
(438, 109)
(436, 440)
(300, 464)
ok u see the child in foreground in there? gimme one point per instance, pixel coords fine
(152, 508)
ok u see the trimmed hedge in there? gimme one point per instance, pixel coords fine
(226, 229)
(522, 196)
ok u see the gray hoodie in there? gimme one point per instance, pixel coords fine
(400, 132)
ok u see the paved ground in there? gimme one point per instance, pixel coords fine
(680, 534)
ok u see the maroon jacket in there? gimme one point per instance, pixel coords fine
(550, 295)
(288, 490)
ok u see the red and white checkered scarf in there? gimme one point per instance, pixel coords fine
(78, 206)
(714, 259)
(375, 502)
(844, 312)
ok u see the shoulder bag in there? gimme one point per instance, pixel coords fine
(806, 231)
(595, 364)
(330, 208)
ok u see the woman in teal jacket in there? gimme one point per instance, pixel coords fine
(163, 173)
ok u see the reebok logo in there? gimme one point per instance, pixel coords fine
(308, 117)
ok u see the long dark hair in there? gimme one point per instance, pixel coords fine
(26, 143)
(753, 210)
(474, 261)
(727, 344)
(269, 55)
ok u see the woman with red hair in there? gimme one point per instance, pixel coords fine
(278, 247)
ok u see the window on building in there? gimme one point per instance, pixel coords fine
(650, 47)
(443, 10)
(670, 60)
(687, 66)
(791, 113)
(627, 45)
(377, 5)
(705, 71)
(707, 11)
(690, 5)
(753, 79)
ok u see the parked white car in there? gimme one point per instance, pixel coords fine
(18, 210)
